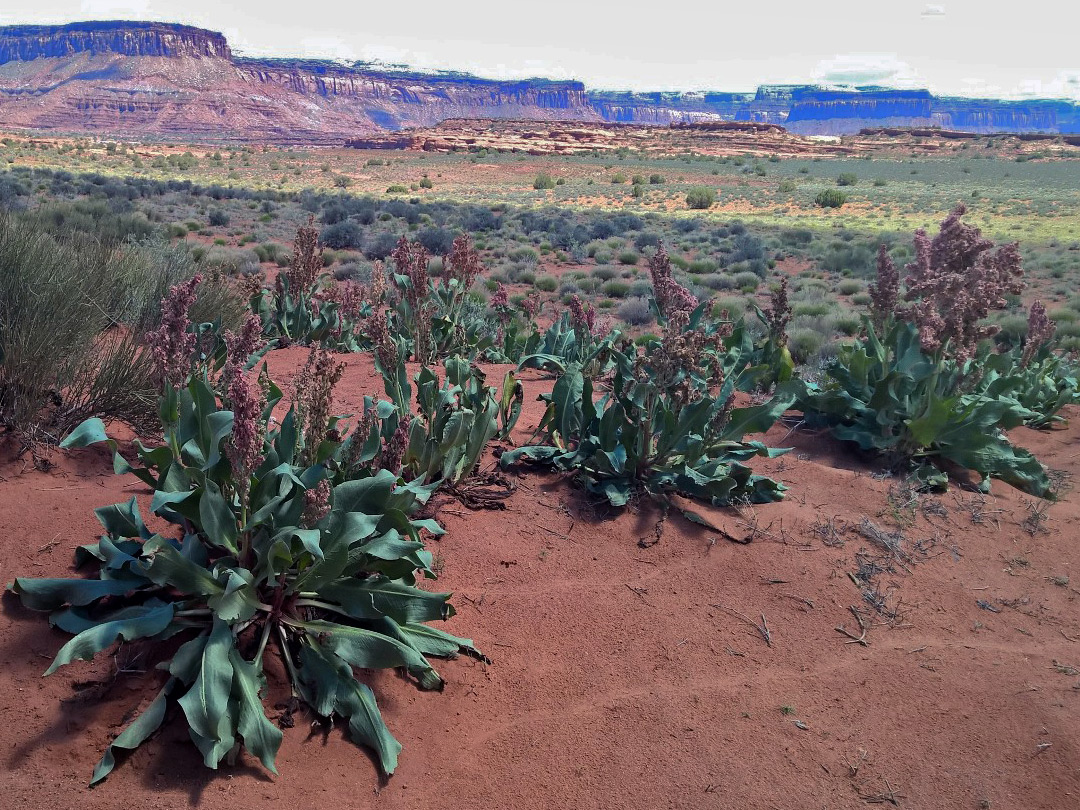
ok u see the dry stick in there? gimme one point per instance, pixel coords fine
(808, 602)
(891, 797)
(861, 640)
(763, 628)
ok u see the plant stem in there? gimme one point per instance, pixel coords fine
(267, 626)
(283, 644)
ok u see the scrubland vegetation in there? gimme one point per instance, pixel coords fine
(674, 336)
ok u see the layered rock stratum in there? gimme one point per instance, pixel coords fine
(147, 80)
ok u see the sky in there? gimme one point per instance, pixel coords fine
(960, 47)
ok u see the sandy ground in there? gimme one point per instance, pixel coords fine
(626, 672)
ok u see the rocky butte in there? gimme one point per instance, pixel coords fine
(141, 79)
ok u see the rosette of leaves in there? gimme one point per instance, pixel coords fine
(564, 345)
(659, 433)
(456, 421)
(435, 316)
(515, 341)
(251, 568)
(887, 395)
(1042, 386)
(301, 315)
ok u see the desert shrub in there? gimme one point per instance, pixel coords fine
(849, 287)
(847, 323)
(830, 198)
(604, 272)
(615, 288)
(379, 246)
(747, 280)
(813, 308)
(629, 257)
(437, 241)
(73, 318)
(96, 219)
(426, 182)
(543, 182)
(804, 344)
(702, 266)
(218, 218)
(635, 311)
(618, 177)
(346, 235)
(847, 179)
(655, 179)
(546, 283)
(786, 186)
(700, 198)
(397, 188)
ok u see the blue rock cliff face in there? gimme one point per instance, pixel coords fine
(140, 78)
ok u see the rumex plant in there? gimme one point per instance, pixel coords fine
(434, 318)
(1037, 377)
(290, 538)
(667, 425)
(306, 306)
(772, 360)
(577, 338)
(914, 388)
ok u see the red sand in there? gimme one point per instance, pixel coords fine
(616, 680)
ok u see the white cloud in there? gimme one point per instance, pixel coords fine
(932, 10)
(867, 68)
(117, 9)
(1065, 85)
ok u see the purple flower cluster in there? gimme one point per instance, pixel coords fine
(778, 313)
(531, 305)
(500, 303)
(670, 295)
(313, 397)
(463, 262)
(954, 282)
(411, 261)
(378, 330)
(307, 259)
(1040, 332)
(316, 503)
(393, 451)
(582, 316)
(885, 292)
(245, 447)
(172, 344)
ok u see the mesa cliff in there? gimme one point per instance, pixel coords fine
(147, 80)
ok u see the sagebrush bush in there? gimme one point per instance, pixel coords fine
(615, 289)
(636, 311)
(830, 198)
(700, 198)
(73, 313)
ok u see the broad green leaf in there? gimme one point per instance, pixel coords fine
(261, 737)
(330, 682)
(92, 431)
(379, 596)
(206, 702)
(217, 518)
(137, 731)
(50, 594)
(150, 622)
(369, 649)
(168, 567)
